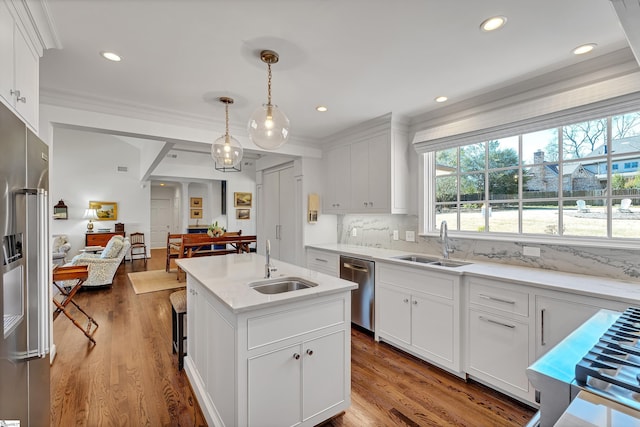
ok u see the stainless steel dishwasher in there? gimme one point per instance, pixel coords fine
(362, 299)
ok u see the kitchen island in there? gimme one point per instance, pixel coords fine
(256, 358)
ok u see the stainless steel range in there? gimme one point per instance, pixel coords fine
(601, 357)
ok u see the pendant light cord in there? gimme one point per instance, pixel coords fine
(226, 115)
(269, 85)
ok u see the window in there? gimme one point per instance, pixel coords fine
(561, 181)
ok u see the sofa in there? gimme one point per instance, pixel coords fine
(103, 266)
(60, 247)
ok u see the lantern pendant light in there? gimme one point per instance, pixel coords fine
(268, 125)
(226, 150)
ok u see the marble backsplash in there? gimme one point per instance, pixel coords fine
(377, 231)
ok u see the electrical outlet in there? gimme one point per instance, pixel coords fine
(395, 235)
(410, 236)
(354, 232)
(530, 251)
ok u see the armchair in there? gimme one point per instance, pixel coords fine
(60, 248)
(103, 266)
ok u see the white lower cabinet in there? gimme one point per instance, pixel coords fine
(499, 338)
(275, 366)
(290, 385)
(418, 310)
(499, 351)
(323, 262)
(557, 315)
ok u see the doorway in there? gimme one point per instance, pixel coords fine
(161, 222)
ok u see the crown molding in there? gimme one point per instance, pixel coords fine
(604, 67)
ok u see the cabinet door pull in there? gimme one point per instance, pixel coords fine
(489, 297)
(296, 356)
(18, 97)
(415, 302)
(405, 300)
(495, 322)
(542, 326)
(322, 260)
(310, 352)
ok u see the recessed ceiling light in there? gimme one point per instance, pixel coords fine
(111, 56)
(162, 184)
(585, 48)
(493, 23)
(441, 98)
(321, 108)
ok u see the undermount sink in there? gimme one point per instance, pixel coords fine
(281, 284)
(431, 261)
(417, 258)
(449, 263)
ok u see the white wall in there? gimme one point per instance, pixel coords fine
(86, 168)
(325, 230)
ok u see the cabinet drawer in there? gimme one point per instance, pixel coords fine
(499, 351)
(100, 239)
(498, 298)
(323, 262)
(417, 279)
(279, 326)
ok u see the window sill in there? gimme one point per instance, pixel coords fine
(592, 242)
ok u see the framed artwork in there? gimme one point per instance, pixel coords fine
(242, 200)
(243, 214)
(196, 213)
(106, 211)
(196, 202)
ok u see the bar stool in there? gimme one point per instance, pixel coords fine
(178, 311)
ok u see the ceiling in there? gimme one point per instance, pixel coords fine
(360, 58)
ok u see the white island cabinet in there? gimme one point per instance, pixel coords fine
(258, 359)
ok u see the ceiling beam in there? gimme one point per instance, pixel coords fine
(628, 12)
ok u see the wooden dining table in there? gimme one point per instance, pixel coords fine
(199, 245)
(194, 245)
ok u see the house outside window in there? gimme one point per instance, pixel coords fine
(560, 182)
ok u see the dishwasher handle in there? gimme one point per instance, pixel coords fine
(353, 267)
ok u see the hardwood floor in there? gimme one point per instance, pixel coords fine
(130, 378)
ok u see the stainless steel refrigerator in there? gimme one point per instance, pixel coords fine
(24, 274)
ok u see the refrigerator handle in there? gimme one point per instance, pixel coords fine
(42, 248)
(44, 307)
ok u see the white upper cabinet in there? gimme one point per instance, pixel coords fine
(21, 46)
(368, 169)
(338, 176)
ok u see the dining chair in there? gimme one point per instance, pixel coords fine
(138, 247)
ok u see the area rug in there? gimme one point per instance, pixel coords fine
(153, 281)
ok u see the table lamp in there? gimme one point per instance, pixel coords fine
(90, 214)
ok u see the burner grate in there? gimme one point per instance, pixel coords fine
(615, 359)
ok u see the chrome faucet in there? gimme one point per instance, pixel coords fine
(268, 268)
(444, 238)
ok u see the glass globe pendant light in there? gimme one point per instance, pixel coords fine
(268, 125)
(226, 150)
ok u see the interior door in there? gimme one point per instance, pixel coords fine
(286, 230)
(271, 192)
(161, 220)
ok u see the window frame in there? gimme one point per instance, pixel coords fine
(427, 206)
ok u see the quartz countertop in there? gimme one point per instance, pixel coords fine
(228, 278)
(599, 287)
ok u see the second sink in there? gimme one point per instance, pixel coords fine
(281, 284)
(417, 258)
(421, 259)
